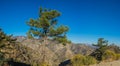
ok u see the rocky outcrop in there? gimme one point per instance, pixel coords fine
(54, 51)
(32, 51)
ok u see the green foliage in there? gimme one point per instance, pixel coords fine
(5, 42)
(63, 40)
(80, 60)
(105, 52)
(101, 47)
(46, 25)
(5, 39)
(101, 44)
(29, 35)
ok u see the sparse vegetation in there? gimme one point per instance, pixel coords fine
(89, 60)
(114, 48)
(105, 52)
(108, 56)
(80, 60)
(117, 56)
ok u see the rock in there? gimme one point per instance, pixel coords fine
(32, 51)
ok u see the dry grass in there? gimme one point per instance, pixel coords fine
(113, 63)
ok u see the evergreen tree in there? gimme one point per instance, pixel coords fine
(101, 48)
(101, 44)
(5, 39)
(46, 25)
(6, 42)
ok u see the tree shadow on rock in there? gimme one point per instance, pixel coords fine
(65, 63)
(12, 63)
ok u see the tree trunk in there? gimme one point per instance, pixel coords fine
(43, 48)
(45, 40)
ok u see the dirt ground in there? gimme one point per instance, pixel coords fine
(114, 63)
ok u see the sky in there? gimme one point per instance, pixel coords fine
(88, 20)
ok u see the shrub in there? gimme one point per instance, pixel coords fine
(80, 60)
(117, 56)
(109, 55)
(77, 60)
(89, 60)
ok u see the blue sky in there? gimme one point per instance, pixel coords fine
(88, 20)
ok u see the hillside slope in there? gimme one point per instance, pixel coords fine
(54, 51)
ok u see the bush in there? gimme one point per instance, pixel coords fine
(77, 60)
(80, 60)
(109, 55)
(89, 60)
(117, 56)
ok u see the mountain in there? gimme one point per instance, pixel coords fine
(34, 51)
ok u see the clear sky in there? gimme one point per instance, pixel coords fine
(88, 20)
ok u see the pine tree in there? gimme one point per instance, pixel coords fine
(101, 48)
(5, 39)
(46, 26)
(6, 42)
